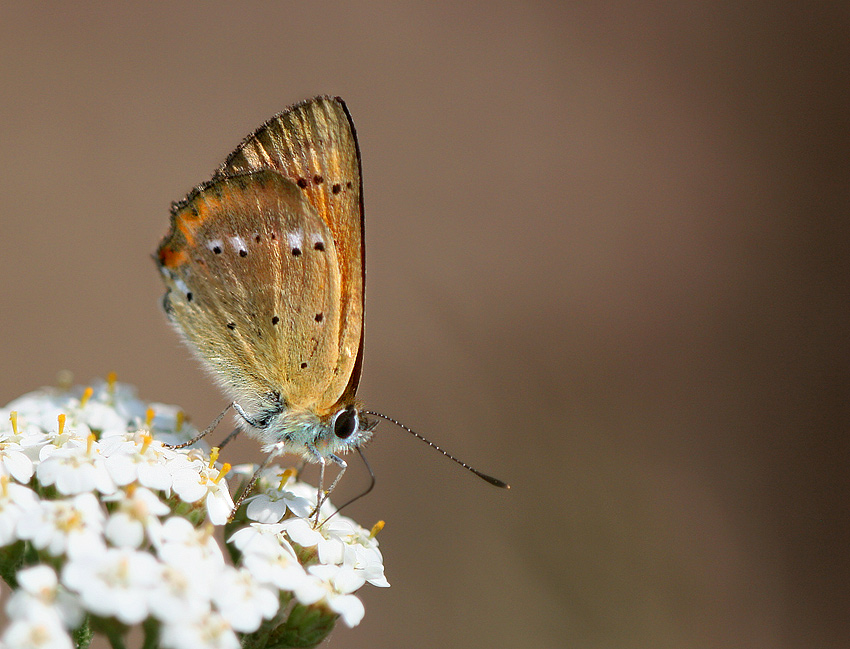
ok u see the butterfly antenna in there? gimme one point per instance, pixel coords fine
(487, 478)
(359, 496)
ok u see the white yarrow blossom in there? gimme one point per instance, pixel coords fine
(30, 633)
(15, 501)
(275, 499)
(40, 596)
(243, 601)
(211, 631)
(70, 527)
(15, 462)
(76, 470)
(130, 526)
(138, 511)
(205, 483)
(117, 582)
(333, 585)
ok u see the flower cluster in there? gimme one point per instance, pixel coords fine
(103, 527)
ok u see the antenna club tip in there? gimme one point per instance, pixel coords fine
(493, 481)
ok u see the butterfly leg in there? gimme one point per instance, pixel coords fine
(207, 430)
(256, 423)
(324, 494)
(229, 438)
(343, 465)
(319, 493)
(247, 490)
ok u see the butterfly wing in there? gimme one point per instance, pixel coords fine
(314, 144)
(254, 284)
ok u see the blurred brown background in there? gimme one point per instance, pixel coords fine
(607, 263)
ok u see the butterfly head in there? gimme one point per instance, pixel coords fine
(304, 431)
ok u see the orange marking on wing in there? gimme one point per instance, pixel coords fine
(171, 258)
(187, 229)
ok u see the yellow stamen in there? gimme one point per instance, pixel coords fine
(214, 451)
(86, 396)
(147, 438)
(148, 417)
(61, 423)
(110, 382)
(13, 417)
(130, 489)
(178, 426)
(71, 522)
(285, 476)
(92, 438)
(4, 485)
(225, 469)
(377, 527)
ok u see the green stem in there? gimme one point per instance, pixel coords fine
(151, 628)
(116, 638)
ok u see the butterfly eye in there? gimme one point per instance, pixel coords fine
(345, 423)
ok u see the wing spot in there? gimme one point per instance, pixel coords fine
(275, 320)
(302, 183)
(348, 184)
(317, 179)
(296, 252)
(231, 326)
(303, 366)
(319, 245)
(243, 253)
(336, 189)
(257, 238)
(189, 296)
(319, 317)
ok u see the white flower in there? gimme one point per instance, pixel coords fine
(368, 563)
(122, 397)
(40, 596)
(72, 526)
(243, 601)
(333, 585)
(208, 632)
(44, 632)
(39, 408)
(183, 588)
(260, 538)
(17, 429)
(328, 539)
(138, 510)
(76, 470)
(15, 462)
(206, 482)
(117, 582)
(15, 500)
(61, 436)
(100, 416)
(177, 540)
(271, 505)
(280, 569)
(138, 457)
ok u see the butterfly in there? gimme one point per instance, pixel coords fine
(265, 273)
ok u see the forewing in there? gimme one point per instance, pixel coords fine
(253, 282)
(314, 144)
